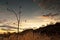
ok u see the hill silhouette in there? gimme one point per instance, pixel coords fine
(50, 29)
(49, 32)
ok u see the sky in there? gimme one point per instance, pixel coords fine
(34, 13)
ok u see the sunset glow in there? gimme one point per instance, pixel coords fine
(29, 14)
(31, 24)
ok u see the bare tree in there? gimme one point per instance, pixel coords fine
(17, 15)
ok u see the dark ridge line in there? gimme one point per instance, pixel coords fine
(49, 30)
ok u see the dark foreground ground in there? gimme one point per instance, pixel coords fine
(50, 32)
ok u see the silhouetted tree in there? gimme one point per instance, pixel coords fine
(17, 16)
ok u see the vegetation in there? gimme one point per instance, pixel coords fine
(50, 32)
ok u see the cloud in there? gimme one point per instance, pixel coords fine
(51, 9)
(7, 26)
(49, 4)
(7, 29)
(51, 14)
(3, 20)
(50, 17)
(34, 0)
(10, 27)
